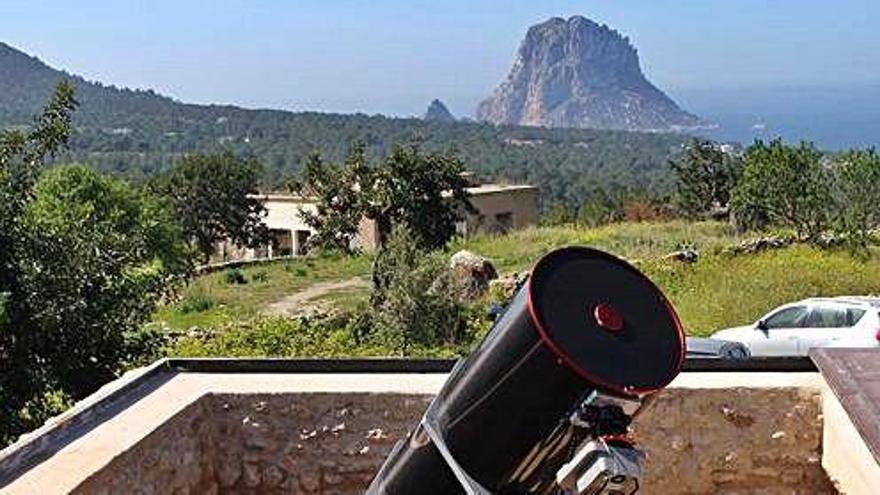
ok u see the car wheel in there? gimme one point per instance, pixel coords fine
(734, 351)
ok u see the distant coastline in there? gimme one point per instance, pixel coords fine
(833, 117)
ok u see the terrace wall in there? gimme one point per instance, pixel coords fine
(699, 440)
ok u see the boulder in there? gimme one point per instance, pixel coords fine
(473, 273)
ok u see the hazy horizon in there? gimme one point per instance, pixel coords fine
(393, 57)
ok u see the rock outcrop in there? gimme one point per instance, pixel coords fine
(473, 272)
(438, 112)
(577, 73)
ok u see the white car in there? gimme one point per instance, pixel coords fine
(793, 329)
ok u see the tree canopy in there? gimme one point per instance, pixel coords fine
(786, 185)
(857, 176)
(705, 177)
(84, 259)
(215, 199)
(425, 192)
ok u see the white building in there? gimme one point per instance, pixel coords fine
(499, 208)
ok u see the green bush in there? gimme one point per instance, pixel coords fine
(296, 269)
(415, 298)
(261, 276)
(785, 186)
(85, 259)
(235, 277)
(856, 176)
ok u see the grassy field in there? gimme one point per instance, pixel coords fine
(723, 290)
(719, 290)
(633, 241)
(214, 299)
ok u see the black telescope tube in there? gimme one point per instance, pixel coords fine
(584, 321)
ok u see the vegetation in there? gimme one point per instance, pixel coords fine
(720, 290)
(724, 290)
(213, 199)
(139, 133)
(634, 241)
(332, 336)
(855, 191)
(408, 189)
(338, 206)
(416, 303)
(705, 177)
(84, 261)
(784, 185)
(234, 301)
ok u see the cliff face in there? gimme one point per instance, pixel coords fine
(576, 73)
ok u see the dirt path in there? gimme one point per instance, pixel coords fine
(294, 303)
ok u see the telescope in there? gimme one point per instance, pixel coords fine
(543, 404)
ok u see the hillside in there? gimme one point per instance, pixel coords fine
(135, 133)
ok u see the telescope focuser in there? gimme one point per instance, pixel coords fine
(607, 462)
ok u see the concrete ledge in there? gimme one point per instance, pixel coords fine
(845, 455)
(111, 399)
(851, 401)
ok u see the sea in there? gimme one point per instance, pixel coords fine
(834, 118)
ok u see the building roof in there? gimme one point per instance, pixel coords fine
(499, 188)
(473, 190)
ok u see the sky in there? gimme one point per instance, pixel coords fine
(394, 56)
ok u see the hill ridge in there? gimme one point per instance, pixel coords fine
(134, 133)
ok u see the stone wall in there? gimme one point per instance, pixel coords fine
(734, 440)
(175, 459)
(738, 440)
(322, 443)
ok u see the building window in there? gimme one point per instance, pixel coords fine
(281, 243)
(300, 241)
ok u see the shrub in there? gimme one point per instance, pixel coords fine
(785, 185)
(856, 178)
(705, 177)
(261, 276)
(296, 268)
(84, 260)
(415, 298)
(271, 337)
(235, 277)
(329, 336)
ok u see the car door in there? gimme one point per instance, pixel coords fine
(829, 324)
(779, 334)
